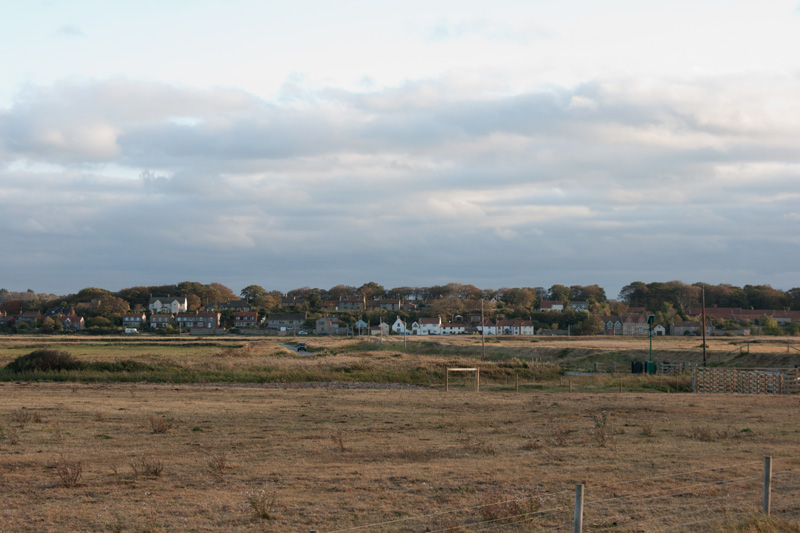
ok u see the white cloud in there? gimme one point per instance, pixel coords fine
(607, 173)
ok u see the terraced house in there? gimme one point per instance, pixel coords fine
(198, 320)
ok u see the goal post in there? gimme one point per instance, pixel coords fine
(477, 372)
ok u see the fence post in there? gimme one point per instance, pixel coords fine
(578, 519)
(767, 483)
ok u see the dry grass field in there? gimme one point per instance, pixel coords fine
(246, 435)
(197, 458)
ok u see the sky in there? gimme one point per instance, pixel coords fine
(316, 143)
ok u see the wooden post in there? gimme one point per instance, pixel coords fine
(578, 519)
(477, 380)
(767, 483)
(447, 380)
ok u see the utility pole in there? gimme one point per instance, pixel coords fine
(704, 326)
(483, 334)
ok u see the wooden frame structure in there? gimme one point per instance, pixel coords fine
(477, 377)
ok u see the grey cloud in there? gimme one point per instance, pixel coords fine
(418, 184)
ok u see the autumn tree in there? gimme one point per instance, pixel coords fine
(559, 293)
(253, 292)
(335, 293)
(112, 305)
(371, 290)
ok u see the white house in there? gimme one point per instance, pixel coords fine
(487, 328)
(381, 329)
(167, 304)
(551, 305)
(399, 326)
(430, 326)
(454, 329)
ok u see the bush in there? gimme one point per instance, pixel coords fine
(44, 361)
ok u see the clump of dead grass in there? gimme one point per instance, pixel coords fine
(144, 464)
(12, 434)
(474, 445)
(558, 434)
(20, 416)
(708, 434)
(217, 464)
(602, 432)
(337, 437)
(262, 502)
(497, 508)
(69, 472)
(159, 424)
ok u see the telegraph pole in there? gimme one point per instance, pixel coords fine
(704, 326)
(483, 334)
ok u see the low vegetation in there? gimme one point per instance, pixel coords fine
(244, 458)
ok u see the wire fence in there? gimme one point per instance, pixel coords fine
(697, 500)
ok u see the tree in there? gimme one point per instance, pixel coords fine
(12, 307)
(314, 302)
(770, 326)
(525, 297)
(91, 293)
(98, 322)
(635, 294)
(253, 292)
(268, 301)
(340, 290)
(112, 305)
(559, 293)
(588, 293)
(371, 290)
(48, 324)
(193, 301)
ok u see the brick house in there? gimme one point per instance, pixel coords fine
(198, 320)
(245, 319)
(161, 320)
(133, 320)
(72, 322)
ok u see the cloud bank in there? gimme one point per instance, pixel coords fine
(119, 182)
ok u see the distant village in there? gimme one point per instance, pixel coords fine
(654, 309)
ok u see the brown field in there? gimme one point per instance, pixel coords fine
(197, 456)
(338, 459)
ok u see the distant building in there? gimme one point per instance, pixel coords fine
(167, 304)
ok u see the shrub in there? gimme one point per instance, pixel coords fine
(21, 416)
(337, 437)
(217, 465)
(146, 465)
(262, 502)
(159, 425)
(44, 361)
(70, 472)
